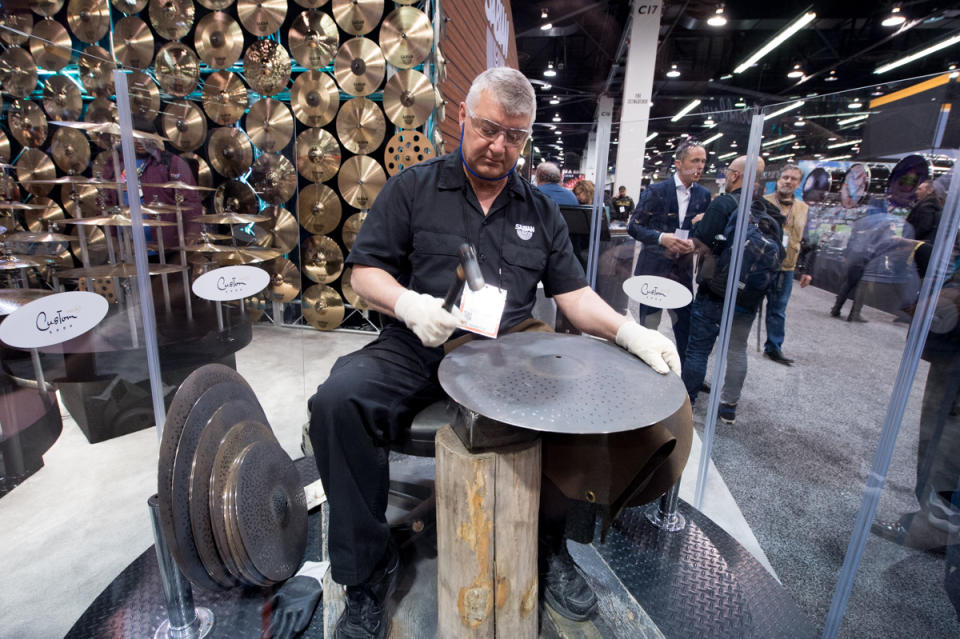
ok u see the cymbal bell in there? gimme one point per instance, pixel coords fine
(61, 98)
(351, 228)
(349, 294)
(101, 111)
(234, 196)
(184, 124)
(284, 283)
(224, 97)
(201, 169)
(88, 19)
(130, 7)
(318, 155)
(96, 70)
(408, 98)
(405, 149)
(172, 19)
(359, 66)
(321, 259)
(314, 98)
(15, 26)
(27, 123)
(70, 150)
(357, 17)
(313, 39)
(281, 229)
(39, 220)
(273, 178)
(319, 208)
(360, 179)
(133, 43)
(322, 307)
(361, 125)
(261, 17)
(46, 8)
(35, 164)
(267, 67)
(406, 37)
(144, 96)
(230, 151)
(177, 68)
(51, 45)
(269, 125)
(218, 40)
(18, 72)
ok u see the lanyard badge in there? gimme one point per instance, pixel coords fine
(483, 309)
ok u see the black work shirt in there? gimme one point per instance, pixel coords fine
(714, 221)
(424, 213)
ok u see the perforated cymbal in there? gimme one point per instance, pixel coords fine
(321, 259)
(34, 164)
(406, 37)
(133, 43)
(267, 67)
(61, 98)
(284, 283)
(322, 307)
(318, 155)
(408, 98)
(230, 151)
(96, 70)
(88, 19)
(46, 7)
(15, 26)
(357, 17)
(361, 125)
(184, 124)
(144, 96)
(224, 97)
(405, 149)
(130, 7)
(319, 208)
(70, 150)
(51, 46)
(273, 178)
(218, 40)
(351, 228)
(314, 98)
(281, 230)
(172, 19)
(313, 39)
(360, 179)
(18, 72)
(27, 123)
(359, 66)
(269, 124)
(177, 68)
(261, 17)
(349, 294)
(234, 196)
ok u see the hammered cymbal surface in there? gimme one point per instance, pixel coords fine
(322, 307)
(27, 123)
(51, 48)
(61, 98)
(357, 17)
(321, 259)
(172, 19)
(319, 208)
(34, 164)
(313, 39)
(406, 37)
(318, 155)
(18, 72)
(359, 66)
(177, 68)
(184, 125)
(224, 97)
(88, 19)
(234, 196)
(218, 40)
(230, 519)
(70, 150)
(314, 98)
(96, 70)
(267, 67)
(408, 98)
(351, 227)
(273, 178)
(360, 179)
(285, 280)
(361, 125)
(269, 125)
(405, 149)
(261, 17)
(133, 43)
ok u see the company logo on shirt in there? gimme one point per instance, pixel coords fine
(524, 232)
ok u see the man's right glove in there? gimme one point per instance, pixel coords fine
(425, 316)
(650, 346)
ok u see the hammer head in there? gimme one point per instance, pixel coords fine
(470, 267)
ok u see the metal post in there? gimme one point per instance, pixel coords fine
(183, 262)
(219, 316)
(663, 514)
(604, 116)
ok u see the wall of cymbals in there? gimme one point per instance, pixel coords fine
(298, 113)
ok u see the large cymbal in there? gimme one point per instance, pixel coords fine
(208, 246)
(357, 17)
(15, 26)
(314, 98)
(73, 179)
(116, 219)
(177, 184)
(408, 98)
(96, 70)
(267, 67)
(261, 17)
(359, 66)
(361, 125)
(117, 270)
(284, 280)
(313, 39)
(80, 200)
(215, 5)
(281, 229)
(319, 208)
(172, 19)
(230, 218)
(133, 43)
(18, 72)
(13, 262)
(13, 298)
(322, 307)
(184, 124)
(88, 19)
(61, 98)
(311, 4)
(202, 170)
(38, 237)
(349, 294)
(406, 149)
(130, 7)
(70, 150)
(321, 259)
(318, 155)
(218, 40)
(144, 96)
(4, 148)
(51, 46)
(96, 245)
(273, 178)
(46, 8)
(351, 227)
(27, 123)
(224, 97)
(177, 68)
(230, 151)
(101, 111)
(34, 164)
(38, 221)
(269, 124)
(234, 196)
(360, 180)
(406, 37)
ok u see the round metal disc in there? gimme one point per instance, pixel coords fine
(284, 280)
(359, 66)
(232, 527)
(361, 125)
(96, 70)
(184, 125)
(322, 307)
(229, 151)
(4, 148)
(319, 208)
(224, 97)
(351, 227)
(96, 245)
(406, 37)
(39, 220)
(99, 111)
(269, 125)
(27, 123)
(406, 149)
(80, 200)
(321, 259)
(273, 178)
(261, 17)
(360, 180)
(218, 40)
(357, 17)
(34, 164)
(215, 5)
(18, 72)
(313, 39)
(318, 155)
(201, 169)
(130, 7)
(408, 98)
(235, 197)
(12, 299)
(311, 4)
(15, 26)
(144, 96)
(88, 19)
(267, 67)
(557, 383)
(349, 294)
(172, 19)
(61, 98)
(177, 68)
(46, 7)
(70, 150)
(314, 98)
(133, 43)
(51, 47)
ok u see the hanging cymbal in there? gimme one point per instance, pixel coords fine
(27, 123)
(357, 17)
(177, 184)
(261, 17)
(234, 196)
(177, 68)
(319, 208)
(70, 150)
(215, 5)
(359, 66)
(51, 45)
(201, 169)
(204, 245)
(116, 219)
(15, 26)
(218, 40)
(361, 125)
(61, 98)
(224, 97)
(408, 98)
(34, 164)
(360, 180)
(406, 37)
(88, 19)
(406, 149)
(129, 7)
(267, 67)
(133, 43)
(100, 161)
(45, 8)
(117, 270)
(73, 179)
(269, 124)
(314, 98)
(281, 229)
(81, 200)
(321, 259)
(351, 227)
(9, 192)
(311, 4)
(230, 151)
(144, 96)
(313, 39)
(273, 178)
(440, 62)
(171, 19)
(38, 221)
(284, 283)
(228, 217)
(101, 110)
(184, 124)
(96, 245)
(18, 72)
(318, 155)
(96, 70)
(4, 148)
(12, 262)
(349, 294)
(322, 307)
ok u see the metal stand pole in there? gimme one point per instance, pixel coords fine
(183, 262)
(663, 514)
(184, 621)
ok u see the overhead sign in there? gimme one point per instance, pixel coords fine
(231, 283)
(53, 319)
(656, 291)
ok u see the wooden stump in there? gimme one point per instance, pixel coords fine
(487, 507)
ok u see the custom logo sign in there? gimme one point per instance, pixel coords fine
(524, 232)
(231, 283)
(53, 319)
(658, 292)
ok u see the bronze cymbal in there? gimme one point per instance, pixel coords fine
(80, 200)
(360, 180)
(408, 98)
(144, 96)
(230, 151)
(96, 70)
(184, 124)
(27, 123)
(406, 37)
(38, 237)
(321, 259)
(215, 5)
(281, 229)
(228, 217)
(351, 227)
(234, 196)
(46, 8)
(88, 19)
(70, 150)
(9, 192)
(224, 97)
(261, 17)
(314, 98)
(269, 124)
(218, 40)
(322, 307)
(207, 246)
(12, 299)
(72, 179)
(267, 67)
(96, 245)
(177, 68)
(14, 205)
(34, 164)
(255, 254)
(349, 294)
(440, 62)
(319, 208)
(51, 45)
(177, 184)
(7, 224)
(117, 270)
(361, 125)
(205, 237)
(129, 7)
(18, 72)
(38, 221)
(12, 262)
(273, 178)
(101, 111)
(313, 39)
(116, 219)
(284, 283)
(359, 66)
(171, 19)
(406, 149)
(133, 43)
(318, 155)
(311, 4)
(15, 26)
(61, 98)
(201, 169)
(357, 17)
(100, 160)
(4, 148)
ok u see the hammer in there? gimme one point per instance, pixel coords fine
(468, 271)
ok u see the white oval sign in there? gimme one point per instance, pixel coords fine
(53, 319)
(231, 283)
(656, 291)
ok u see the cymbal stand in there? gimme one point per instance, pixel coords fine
(178, 199)
(111, 252)
(163, 260)
(81, 233)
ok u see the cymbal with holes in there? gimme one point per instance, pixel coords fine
(144, 96)
(177, 68)
(405, 149)
(285, 280)
(319, 208)
(406, 37)
(261, 17)
(224, 97)
(218, 40)
(130, 7)
(61, 98)
(314, 98)
(18, 72)
(184, 124)
(281, 229)
(70, 150)
(351, 228)
(360, 179)
(321, 259)
(133, 43)
(27, 123)
(88, 19)
(349, 294)
(96, 70)
(201, 169)
(357, 17)
(408, 98)
(318, 155)
(46, 8)
(269, 125)
(51, 45)
(313, 39)
(34, 164)
(361, 125)
(230, 151)
(172, 19)
(273, 178)
(101, 111)
(234, 196)
(322, 307)
(15, 26)
(267, 67)
(359, 66)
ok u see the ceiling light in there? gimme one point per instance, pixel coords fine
(685, 110)
(544, 14)
(795, 72)
(786, 109)
(546, 86)
(838, 157)
(919, 54)
(546, 26)
(741, 104)
(556, 117)
(554, 100)
(832, 77)
(550, 72)
(895, 19)
(776, 41)
(831, 138)
(674, 72)
(717, 19)
(726, 155)
(713, 138)
(766, 153)
(780, 157)
(785, 138)
(855, 118)
(733, 144)
(800, 122)
(843, 144)
(856, 104)
(651, 136)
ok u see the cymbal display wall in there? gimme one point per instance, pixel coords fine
(295, 112)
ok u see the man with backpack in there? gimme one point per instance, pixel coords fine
(763, 253)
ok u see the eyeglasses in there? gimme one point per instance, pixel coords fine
(490, 130)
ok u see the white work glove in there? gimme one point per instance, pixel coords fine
(425, 316)
(650, 346)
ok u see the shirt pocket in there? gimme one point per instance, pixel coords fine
(435, 253)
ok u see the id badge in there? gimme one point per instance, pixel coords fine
(483, 309)
(682, 234)
(786, 239)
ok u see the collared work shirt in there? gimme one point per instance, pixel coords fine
(795, 226)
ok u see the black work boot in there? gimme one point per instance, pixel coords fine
(855, 315)
(835, 311)
(563, 584)
(364, 616)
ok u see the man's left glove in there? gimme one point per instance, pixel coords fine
(651, 346)
(294, 602)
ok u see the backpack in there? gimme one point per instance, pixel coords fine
(762, 254)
